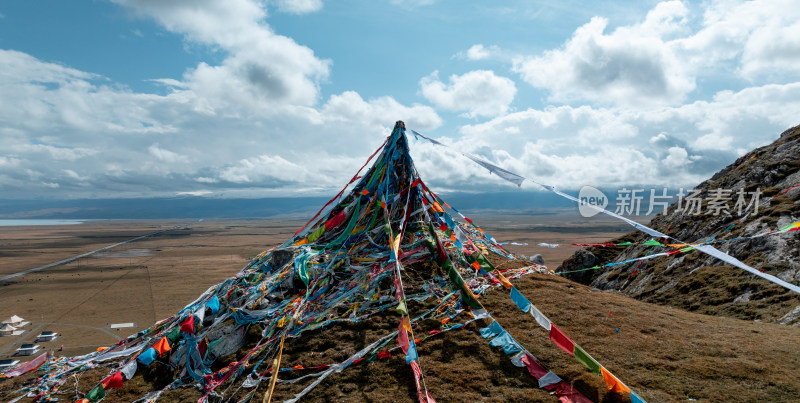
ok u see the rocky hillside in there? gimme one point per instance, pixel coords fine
(698, 282)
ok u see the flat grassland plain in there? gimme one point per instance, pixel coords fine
(665, 354)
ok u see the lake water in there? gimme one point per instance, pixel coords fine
(30, 222)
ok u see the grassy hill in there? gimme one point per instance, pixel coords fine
(664, 354)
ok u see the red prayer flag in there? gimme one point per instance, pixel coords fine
(202, 347)
(335, 220)
(384, 354)
(561, 339)
(113, 381)
(568, 394)
(187, 326)
(534, 368)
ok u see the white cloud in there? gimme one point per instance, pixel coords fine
(572, 146)
(349, 106)
(262, 69)
(299, 6)
(94, 138)
(629, 66)
(657, 62)
(480, 52)
(8, 162)
(263, 167)
(195, 193)
(478, 93)
(477, 52)
(677, 157)
(74, 175)
(756, 35)
(166, 155)
(772, 49)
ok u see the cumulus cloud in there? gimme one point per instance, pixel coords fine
(572, 146)
(261, 168)
(262, 69)
(755, 35)
(676, 157)
(67, 133)
(657, 61)
(480, 52)
(631, 65)
(478, 93)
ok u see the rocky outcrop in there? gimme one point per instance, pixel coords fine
(698, 282)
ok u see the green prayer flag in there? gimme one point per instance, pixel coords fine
(484, 262)
(316, 234)
(466, 295)
(174, 335)
(96, 394)
(653, 242)
(625, 244)
(586, 359)
(401, 309)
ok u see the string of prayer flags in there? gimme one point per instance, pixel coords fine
(710, 250)
(560, 339)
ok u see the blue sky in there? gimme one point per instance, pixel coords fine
(245, 98)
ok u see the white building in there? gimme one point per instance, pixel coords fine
(46, 336)
(16, 321)
(7, 330)
(28, 349)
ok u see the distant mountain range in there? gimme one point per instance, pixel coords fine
(509, 202)
(513, 202)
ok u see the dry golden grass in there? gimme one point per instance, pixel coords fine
(664, 354)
